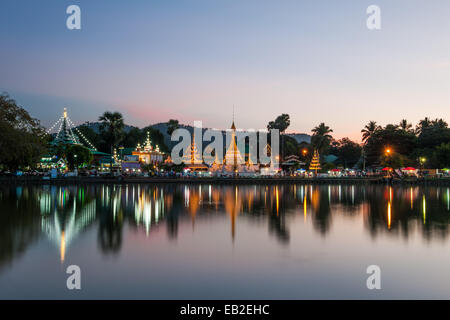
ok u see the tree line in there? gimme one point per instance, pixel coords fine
(24, 141)
(394, 145)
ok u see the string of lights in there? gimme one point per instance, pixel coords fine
(82, 135)
(51, 128)
(71, 126)
(59, 130)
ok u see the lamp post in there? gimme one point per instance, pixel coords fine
(388, 153)
(422, 161)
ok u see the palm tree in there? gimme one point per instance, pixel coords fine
(321, 137)
(172, 125)
(439, 123)
(281, 123)
(112, 125)
(423, 125)
(369, 130)
(405, 126)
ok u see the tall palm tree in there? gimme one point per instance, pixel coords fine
(369, 130)
(321, 137)
(112, 125)
(404, 125)
(423, 125)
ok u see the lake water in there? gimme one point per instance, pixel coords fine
(179, 241)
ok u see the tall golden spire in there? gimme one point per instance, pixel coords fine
(315, 162)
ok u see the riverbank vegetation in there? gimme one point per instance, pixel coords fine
(427, 145)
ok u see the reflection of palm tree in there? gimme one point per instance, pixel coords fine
(110, 234)
(110, 226)
(173, 214)
(277, 217)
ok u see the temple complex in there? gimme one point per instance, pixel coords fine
(234, 161)
(147, 154)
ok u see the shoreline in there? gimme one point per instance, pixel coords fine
(232, 181)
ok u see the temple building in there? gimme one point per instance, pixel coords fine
(234, 161)
(147, 154)
(193, 159)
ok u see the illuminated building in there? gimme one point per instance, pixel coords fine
(147, 154)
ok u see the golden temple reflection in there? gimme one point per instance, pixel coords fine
(231, 207)
(194, 205)
(63, 247)
(389, 213)
(424, 208)
(304, 208)
(277, 199)
(412, 198)
(315, 202)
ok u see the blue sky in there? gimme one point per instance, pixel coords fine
(194, 60)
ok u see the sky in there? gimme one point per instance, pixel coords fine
(194, 60)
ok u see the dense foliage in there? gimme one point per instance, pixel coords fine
(23, 140)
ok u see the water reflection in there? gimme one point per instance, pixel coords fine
(62, 214)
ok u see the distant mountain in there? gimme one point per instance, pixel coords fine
(95, 126)
(300, 137)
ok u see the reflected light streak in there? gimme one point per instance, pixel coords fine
(63, 247)
(277, 199)
(389, 213)
(424, 208)
(304, 208)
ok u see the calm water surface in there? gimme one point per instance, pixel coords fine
(224, 242)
